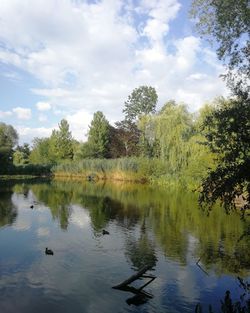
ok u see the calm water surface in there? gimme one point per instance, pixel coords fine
(147, 226)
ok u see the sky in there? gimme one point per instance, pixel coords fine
(70, 58)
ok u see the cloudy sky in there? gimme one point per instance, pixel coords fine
(70, 58)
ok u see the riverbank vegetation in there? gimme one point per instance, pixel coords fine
(168, 146)
(158, 146)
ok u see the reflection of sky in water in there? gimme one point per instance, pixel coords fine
(79, 217)
(78, 278)
(43, 231)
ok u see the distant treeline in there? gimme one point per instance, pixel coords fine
(164, 146)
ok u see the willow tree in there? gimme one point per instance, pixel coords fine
(173, 129)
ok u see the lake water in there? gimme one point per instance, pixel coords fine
(146, 225)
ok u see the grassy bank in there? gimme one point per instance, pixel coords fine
(139, 170)
(142, 170)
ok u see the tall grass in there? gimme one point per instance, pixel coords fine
(133, 169)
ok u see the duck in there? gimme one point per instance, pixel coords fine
(105, 232)
(49, 251)
(32, 206)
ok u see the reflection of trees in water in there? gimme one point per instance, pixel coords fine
(8, 213)
(172, 214)
(171, 237)
(57, 199)
(141, 251)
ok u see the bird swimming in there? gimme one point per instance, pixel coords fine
(49, 251)
(105, 232)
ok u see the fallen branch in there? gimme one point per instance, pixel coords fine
(197, 263)
(132, 278)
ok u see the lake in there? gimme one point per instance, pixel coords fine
(194, 257)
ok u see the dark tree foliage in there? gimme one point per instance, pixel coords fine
(227, 130)
(128, 136)
(227, 22)
(115, 146)
(141, 101)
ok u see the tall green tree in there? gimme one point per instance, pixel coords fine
(8, 139)
(142, 101)
(99, 136)
(62, 142)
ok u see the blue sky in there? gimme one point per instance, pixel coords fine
(68, 59)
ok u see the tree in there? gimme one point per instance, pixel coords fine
(98, 136)
(21, 154)
(141, 101)
(41, 151)
(125, 139)
(62, 142)
(227, 130)
(227, 22)
(8, 139)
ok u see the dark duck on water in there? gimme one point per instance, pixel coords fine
(49, 251)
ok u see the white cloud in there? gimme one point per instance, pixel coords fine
(43, 106)
(22, 113)
(4, 114)
(26, 134)
(90, 56)
(160, 13)
(79, 124)
(42, 118)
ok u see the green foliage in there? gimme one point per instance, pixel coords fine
(98, 136)
(227, 22)
(62, 142)
(227, 130)
(21, 155)
(57, 148)
(167, 134)
(8, 139)
(41, 152)
(141, 101)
